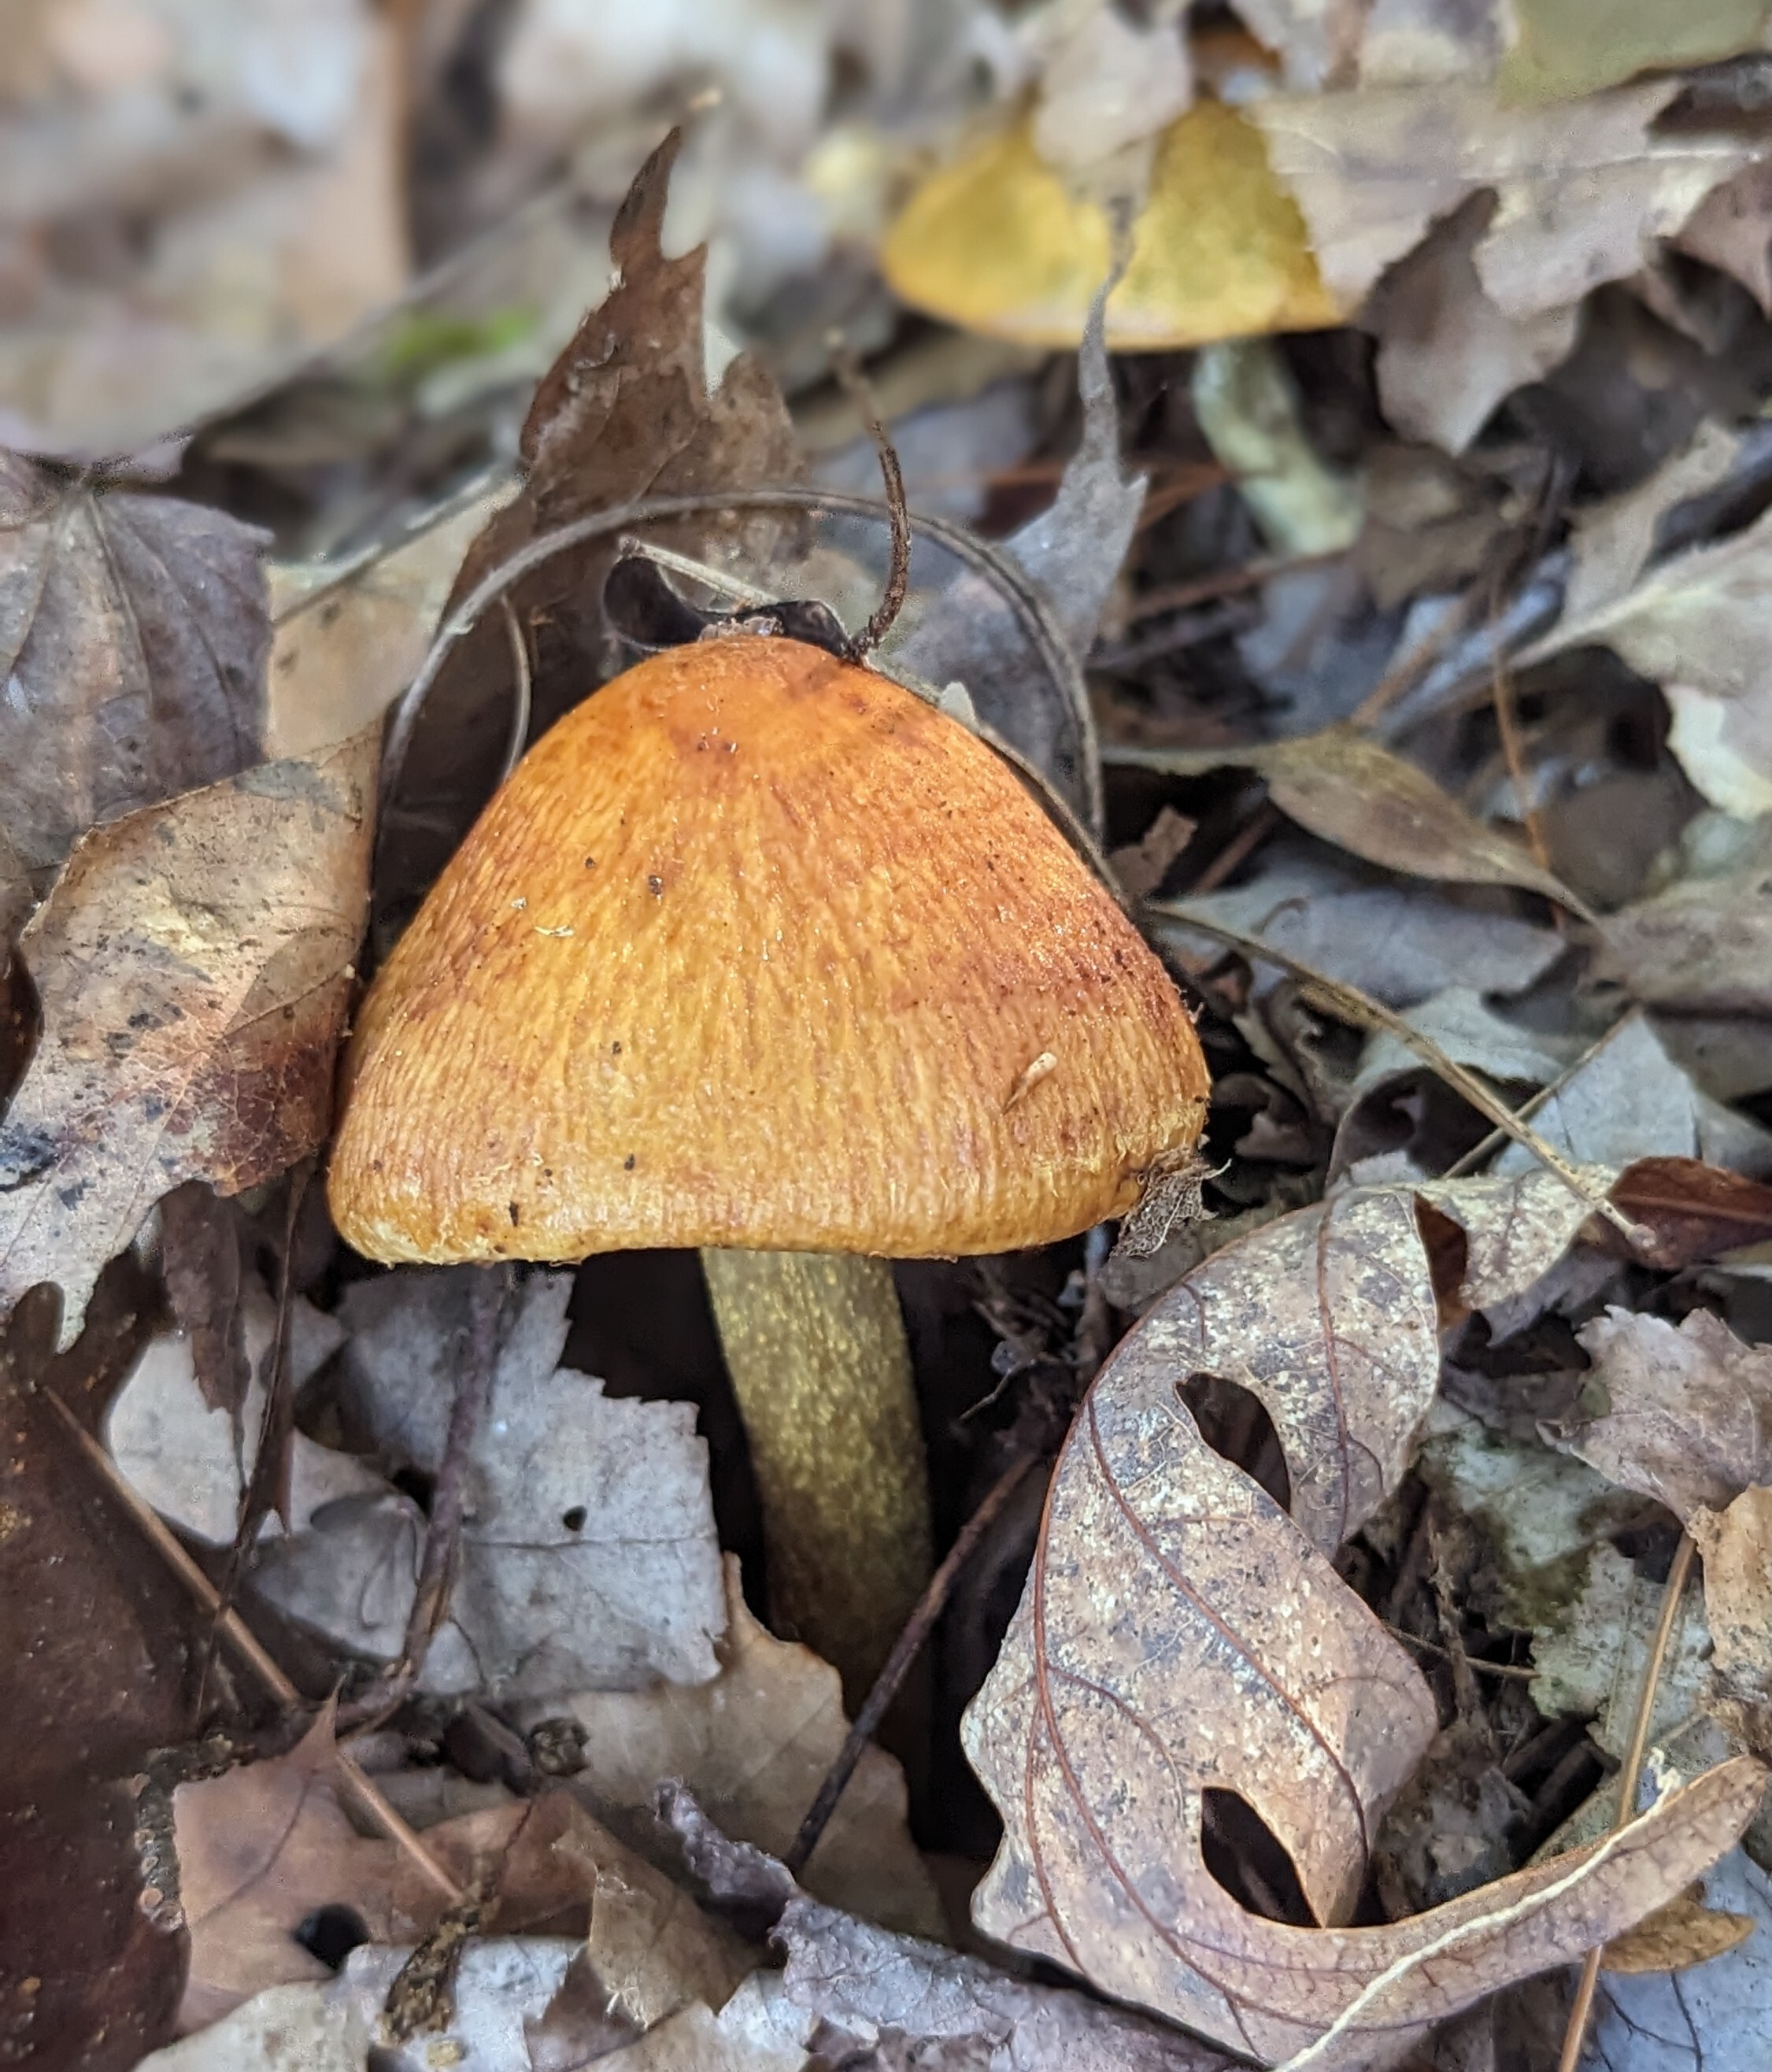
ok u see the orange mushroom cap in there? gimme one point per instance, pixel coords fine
(757, 948)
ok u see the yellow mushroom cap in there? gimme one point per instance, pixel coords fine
(757, 948)
(998, 244)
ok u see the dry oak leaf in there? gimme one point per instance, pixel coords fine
(134, 631)
(193, 963)
(1688, 1415)
(1342, 785)
(753, 1746)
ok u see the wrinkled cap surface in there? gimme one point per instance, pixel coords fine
(756, 948)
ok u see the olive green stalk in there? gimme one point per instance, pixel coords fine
(816, 1346)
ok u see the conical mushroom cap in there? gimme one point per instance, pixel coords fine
(756, 948)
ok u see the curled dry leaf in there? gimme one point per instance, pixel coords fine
(1168, 1594)
(193, 962)
(134, 631)
(1330, 1316)
(1688, 1415)
(754, 1746)
(1342, 785)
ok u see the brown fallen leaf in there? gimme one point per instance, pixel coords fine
(1675, 1937)
(101, 1645)
(1688, 1418)
(193, 962)
(201, 1240)
(1342, 785)
(653, 1950)
(754, 1746)
(259, 1850)
(1690, 1211)
(263, 1846)
(624, 412)
(1736, 1546)
(134, 631)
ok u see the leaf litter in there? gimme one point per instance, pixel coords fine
(1317, 1608)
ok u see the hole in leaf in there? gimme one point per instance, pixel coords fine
(1448, 1254)
(330, 1934)
(573, 1520)
(1244, 1856)
(1233, 1422)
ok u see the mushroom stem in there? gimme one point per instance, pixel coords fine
(816, 1346)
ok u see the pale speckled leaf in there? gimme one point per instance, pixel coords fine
(1180, 1633)
(588, 1555)
(193, 963)
(1177, 1634)
(1329, 1316)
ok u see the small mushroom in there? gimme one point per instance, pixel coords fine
(758, 951)
(998, 243)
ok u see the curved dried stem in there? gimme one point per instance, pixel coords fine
(860, 392)
(1031, 609)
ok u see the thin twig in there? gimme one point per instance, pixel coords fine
(267, 1487)
(860, 391)
(1236, 851)
(1348, 1003)
(1507, 726)
(905, 1649)
(245, 1644)
(1493, 1142)
(489, 1288)
(1575, 2035)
